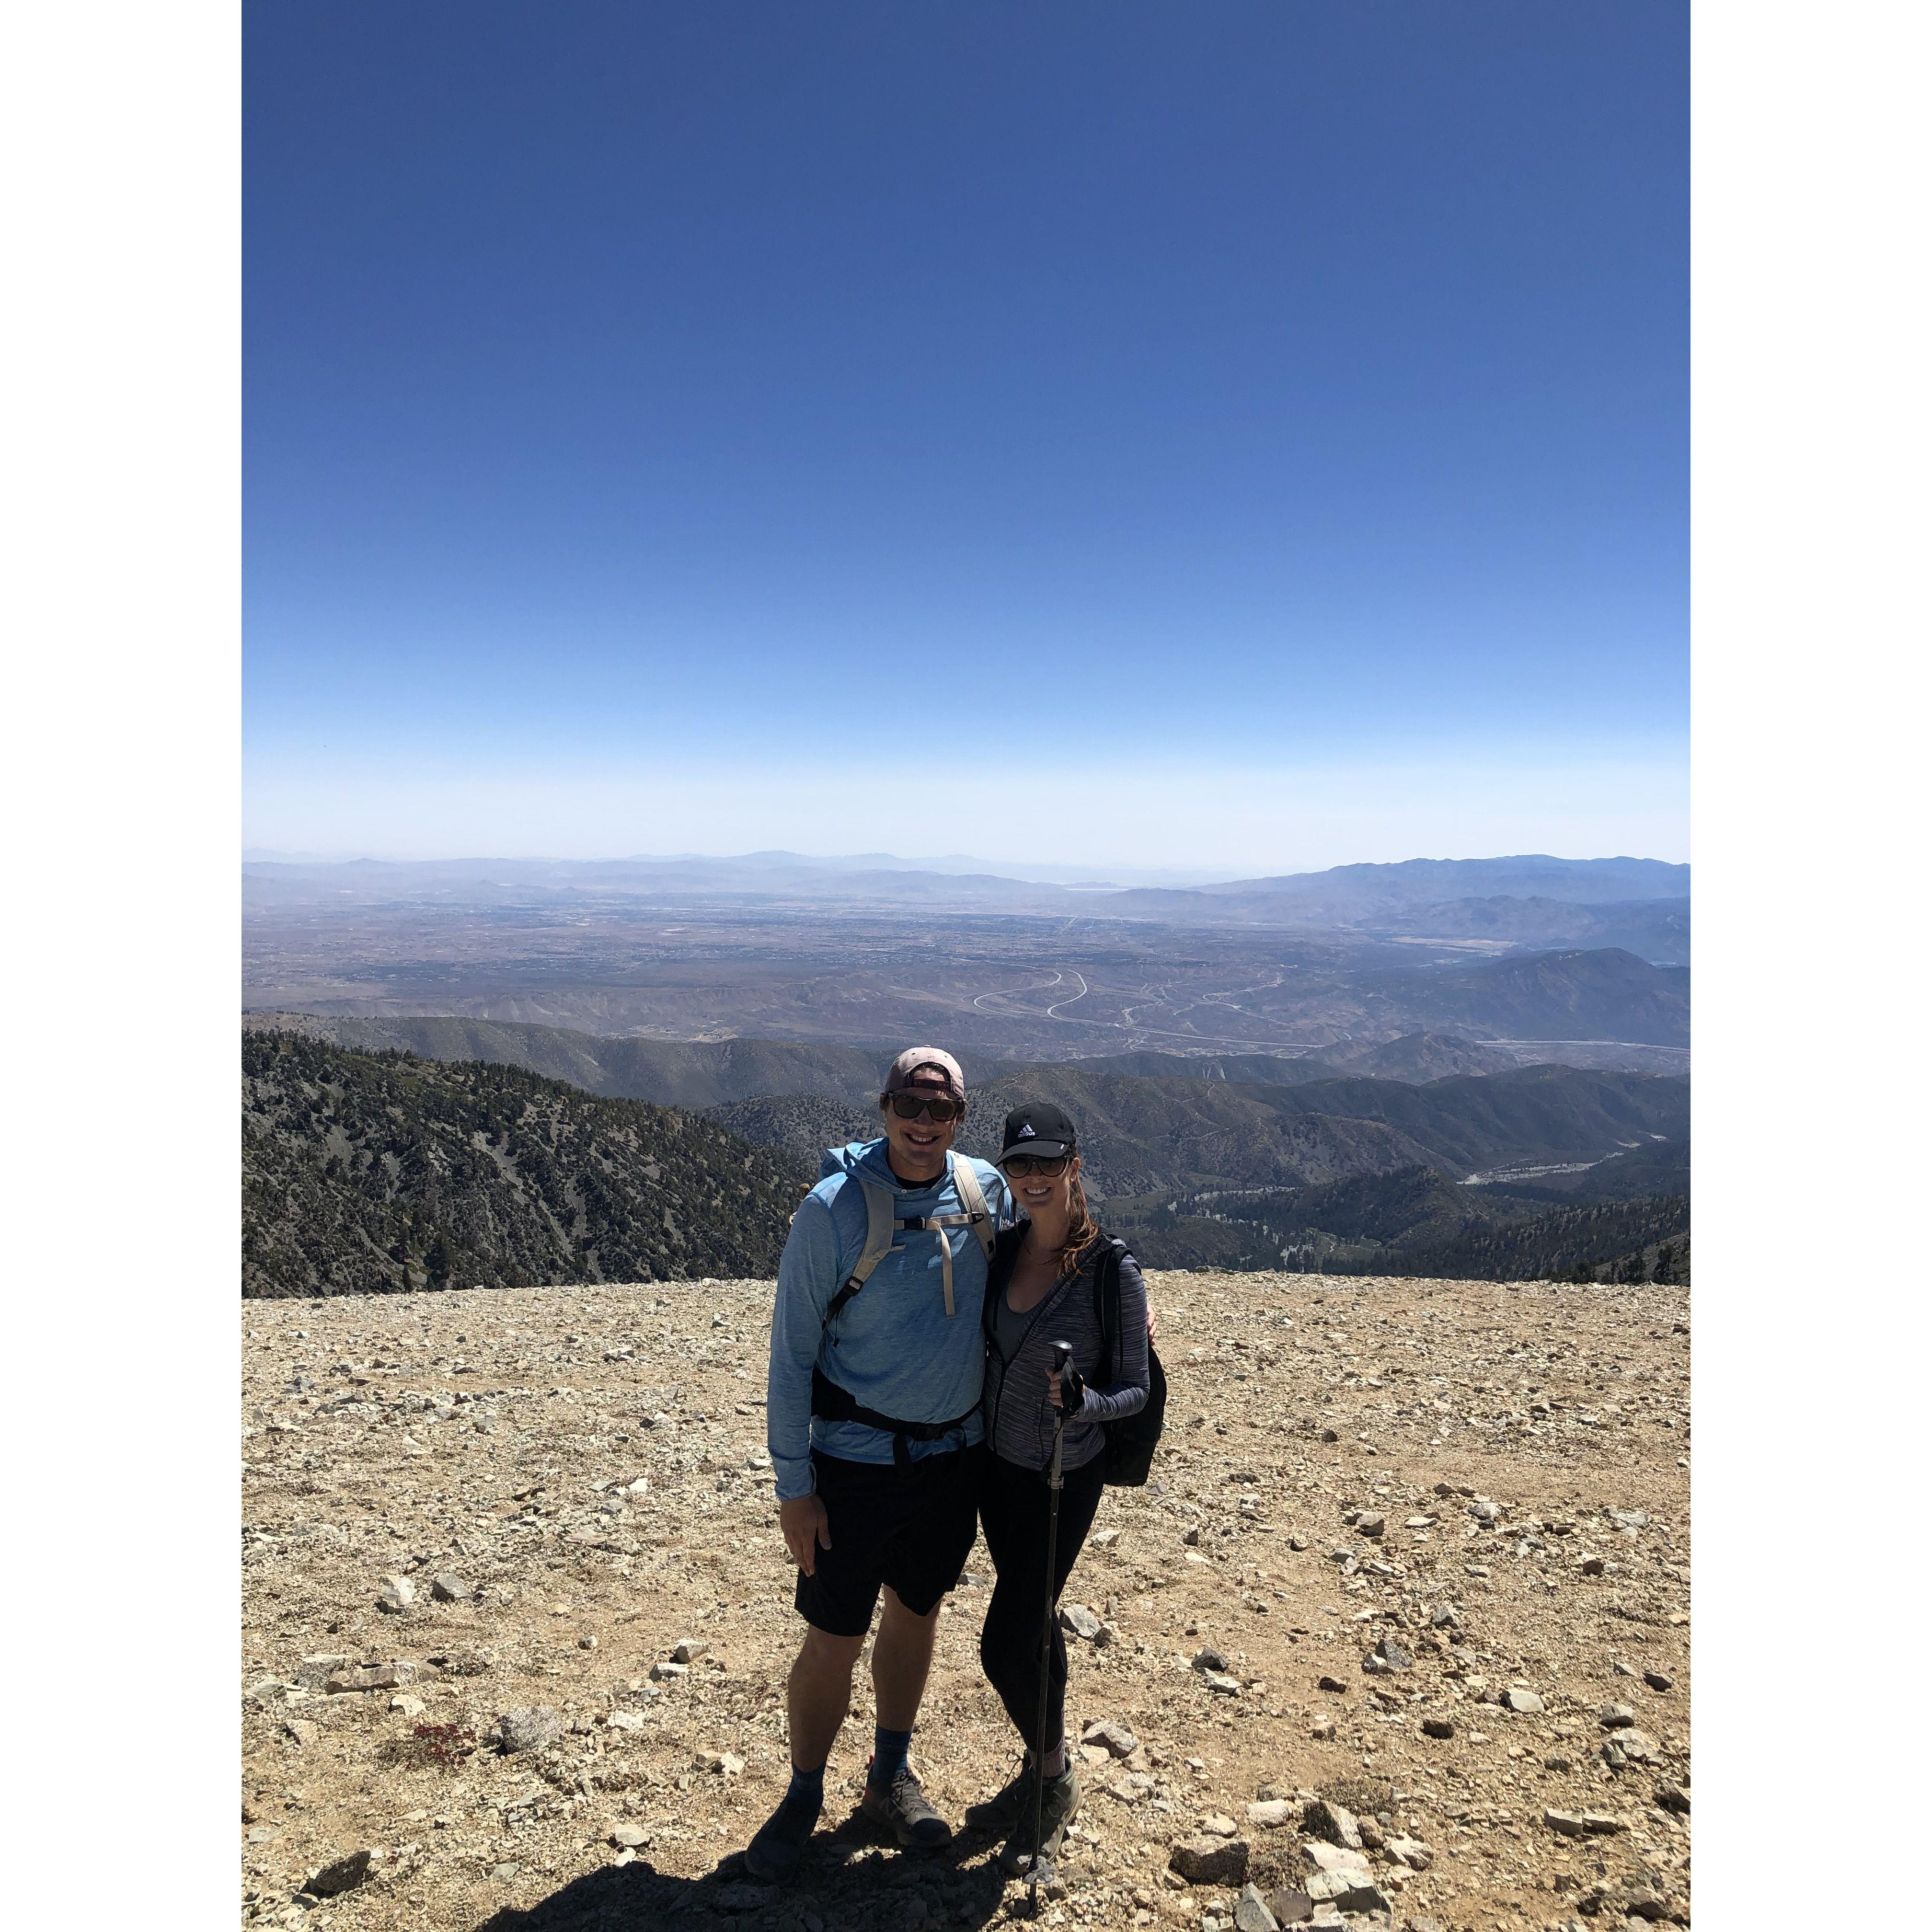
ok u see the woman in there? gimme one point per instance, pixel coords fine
(1040, 1290)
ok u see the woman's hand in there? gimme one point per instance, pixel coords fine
(1074, 1387)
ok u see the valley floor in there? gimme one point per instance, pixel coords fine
(1523, 1444)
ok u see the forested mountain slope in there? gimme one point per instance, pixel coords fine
(368, 1172)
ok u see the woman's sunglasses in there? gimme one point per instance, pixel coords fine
(1049, 1168)
(935, 1106)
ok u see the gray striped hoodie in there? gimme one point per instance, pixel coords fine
(1018, 1416)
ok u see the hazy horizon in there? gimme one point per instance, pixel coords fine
(1058, 873)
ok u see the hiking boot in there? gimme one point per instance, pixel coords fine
(773, 1855)
(904, 1813)
(1058, 1806)
(1001, 1811)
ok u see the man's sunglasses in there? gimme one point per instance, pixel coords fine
(1049, 1167)
(936, 1107)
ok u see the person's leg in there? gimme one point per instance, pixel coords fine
(818, 1693)
(1012, 1514)
(1079, 1504)
(836, 1602)
(935, 1519)
(1011, 1657)
(901, 1660)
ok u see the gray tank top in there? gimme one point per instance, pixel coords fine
(1008, 1328)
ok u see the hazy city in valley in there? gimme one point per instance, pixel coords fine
(1522, 960)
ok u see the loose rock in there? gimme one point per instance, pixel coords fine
(1583, 1824)
(530, 1727)
(1251, 1913)
(1080, 1620)
(345, 1874)
(1205, 1860)
(1324, 1819)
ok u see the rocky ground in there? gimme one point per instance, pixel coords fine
(1398, 1633)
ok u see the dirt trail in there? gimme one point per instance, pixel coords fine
(494, 1440)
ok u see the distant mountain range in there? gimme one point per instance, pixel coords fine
(1640, 903)
(1606, 993)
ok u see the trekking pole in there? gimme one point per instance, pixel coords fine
(1063, 1354)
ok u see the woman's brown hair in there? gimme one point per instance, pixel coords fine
(1081, 1228)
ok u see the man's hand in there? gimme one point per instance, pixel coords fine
(1151, 1324)
(806, 1530)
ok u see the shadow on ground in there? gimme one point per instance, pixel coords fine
(851, 1881)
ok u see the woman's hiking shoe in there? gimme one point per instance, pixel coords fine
(904, 1813)
(1000, 1812)
(1061, 1802)
(773, 1855)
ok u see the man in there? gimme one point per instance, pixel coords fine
(873, 1423)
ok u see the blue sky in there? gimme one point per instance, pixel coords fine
(1260, 430)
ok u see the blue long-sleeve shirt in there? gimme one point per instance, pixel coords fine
(892, 1346)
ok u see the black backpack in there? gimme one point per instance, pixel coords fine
(1128, 1454)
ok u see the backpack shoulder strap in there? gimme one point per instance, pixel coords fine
(879, 1205)
(966, 1184)
(1107, 1301)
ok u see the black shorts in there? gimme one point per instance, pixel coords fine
(911, 1529)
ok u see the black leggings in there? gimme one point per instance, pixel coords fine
(1012, 1512)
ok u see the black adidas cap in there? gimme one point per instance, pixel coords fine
(1041, 1129)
